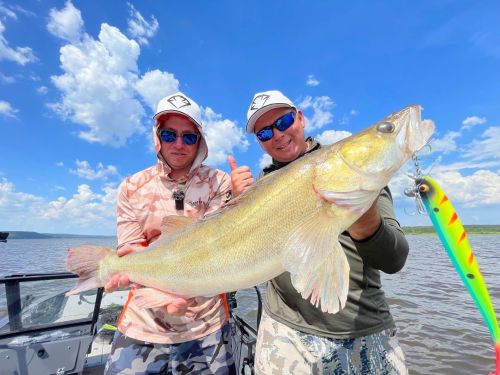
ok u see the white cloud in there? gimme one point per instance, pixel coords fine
(222, 135)
(6, 79)
(20, 55)
(66, 23)
(97, 87)
(7, 12)
(84, 212)
(60, 164)
(84, 170)
(139, 28)
(155, 85)
(446, 144)
(470, 121)
(329, 137)
(101, 87)
(354, 112)
(321, 106)
(312, 81)
(6, 109)
(42, 90)
(480, 188)
(265, 160)
(486, 148)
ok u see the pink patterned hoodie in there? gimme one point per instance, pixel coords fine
(144, 199)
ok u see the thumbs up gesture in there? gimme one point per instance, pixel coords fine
(241, 177)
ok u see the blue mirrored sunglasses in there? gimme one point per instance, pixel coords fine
(170, 136)
(282, 124)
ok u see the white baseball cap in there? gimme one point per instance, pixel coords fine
(181, 104)
(263, 102)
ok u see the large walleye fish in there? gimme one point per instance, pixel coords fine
(289, 221)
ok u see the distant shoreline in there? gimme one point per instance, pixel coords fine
(24, 235)
(470, 229)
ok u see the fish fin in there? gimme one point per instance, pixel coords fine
(316, 261)
(84, 261)
(151, 297)
(355, 200)
(326, 287)
(173, 223)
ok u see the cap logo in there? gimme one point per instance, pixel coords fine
(178, 101)
(259, 102)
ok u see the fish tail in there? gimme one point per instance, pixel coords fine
(85, 262)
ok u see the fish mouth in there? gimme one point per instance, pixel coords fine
(414, 133)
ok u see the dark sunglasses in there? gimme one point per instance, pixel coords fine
(282, 124)
(170, 136)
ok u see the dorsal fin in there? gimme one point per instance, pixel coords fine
(172, 224)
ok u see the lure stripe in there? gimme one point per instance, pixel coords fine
(453, 236)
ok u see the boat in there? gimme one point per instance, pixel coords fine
(44, 332)
(3, 236)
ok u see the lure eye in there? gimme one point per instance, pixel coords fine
(423, 188)
(386, 127)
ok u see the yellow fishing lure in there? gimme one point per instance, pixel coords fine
(452, 234)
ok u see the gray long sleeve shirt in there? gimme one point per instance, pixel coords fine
(366, 311)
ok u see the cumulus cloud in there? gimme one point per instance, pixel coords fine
(312, 81)
(85, 211)
(42, 90)
(7, 110)
(20, 55)
(66, 23)
(155, 85)
(321, 107)
(488, 147)
(265, 160)
(329, 137)
(139, 28)
(446, 144)
(222, 135)
(471, 121)
(84, 170)
(97, 87)
(100, 86)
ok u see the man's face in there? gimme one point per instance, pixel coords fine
(178, 154)
(284, 146)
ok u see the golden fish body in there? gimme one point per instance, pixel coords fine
(287, 221)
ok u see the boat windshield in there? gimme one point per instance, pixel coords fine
(31, 303)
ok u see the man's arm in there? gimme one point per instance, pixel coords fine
(386, 248)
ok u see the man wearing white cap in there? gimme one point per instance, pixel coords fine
(178, 336)
(295, 337)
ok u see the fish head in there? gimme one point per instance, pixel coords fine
(380, 150)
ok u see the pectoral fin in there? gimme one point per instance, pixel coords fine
(316, 261)
(326, 286)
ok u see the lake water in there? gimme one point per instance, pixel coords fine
(439, 327)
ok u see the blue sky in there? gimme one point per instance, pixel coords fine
(79, 81)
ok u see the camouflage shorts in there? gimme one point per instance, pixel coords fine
(209, 355)
(283, 350)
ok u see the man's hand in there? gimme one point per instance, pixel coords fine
(241, 177)
(121, 281)
(367, 224)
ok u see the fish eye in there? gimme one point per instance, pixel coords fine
(386, 127)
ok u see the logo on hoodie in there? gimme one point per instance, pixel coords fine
(259, 102)
(179, 101)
